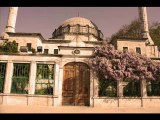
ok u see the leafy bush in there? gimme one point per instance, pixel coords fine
(19, 85)
(9, 47)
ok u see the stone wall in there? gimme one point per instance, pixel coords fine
(18, 99)
(150, 51)
(127, 102)
(1, 99)
(131, 44)
(104, 102)
(23, 40)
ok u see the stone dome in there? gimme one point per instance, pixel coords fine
(80, 21)
(77, 26)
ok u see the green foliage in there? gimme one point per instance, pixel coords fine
(44, 91)
(129, 31)
(20, 78)
(19, 85)
(155, 33)
(44, 75)
(9, 47)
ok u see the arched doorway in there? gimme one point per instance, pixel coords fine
(76, 84)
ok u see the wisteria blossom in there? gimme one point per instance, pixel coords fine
(117, 65)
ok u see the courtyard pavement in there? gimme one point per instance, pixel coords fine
(75, 109)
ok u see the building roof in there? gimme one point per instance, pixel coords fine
(26, 34)
(79, 20)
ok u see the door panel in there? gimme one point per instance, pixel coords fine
(76, 84)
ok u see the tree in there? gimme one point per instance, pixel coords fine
(133, 30)
(155, 33)
(9, 47)
(113, 64)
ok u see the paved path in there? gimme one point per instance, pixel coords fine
(73, 109)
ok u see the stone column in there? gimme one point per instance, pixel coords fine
(143, 88)
(8, 77)
(91, 88)
(119, 88)
(56, 85)
(95, 88)
(96, 85)
(32, 77)
(11, 19)
(60, 85)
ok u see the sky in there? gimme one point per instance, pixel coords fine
(45, 20)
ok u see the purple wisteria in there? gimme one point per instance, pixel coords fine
(116, 65)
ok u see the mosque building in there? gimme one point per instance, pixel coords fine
(56, 72)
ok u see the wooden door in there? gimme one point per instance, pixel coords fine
(76, 85)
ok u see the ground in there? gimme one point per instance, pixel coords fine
(74, 109)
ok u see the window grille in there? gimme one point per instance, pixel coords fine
(20, 78)
(153, 88)
(132, 89)
(44, 79)
(2, 75)
(107, 87)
